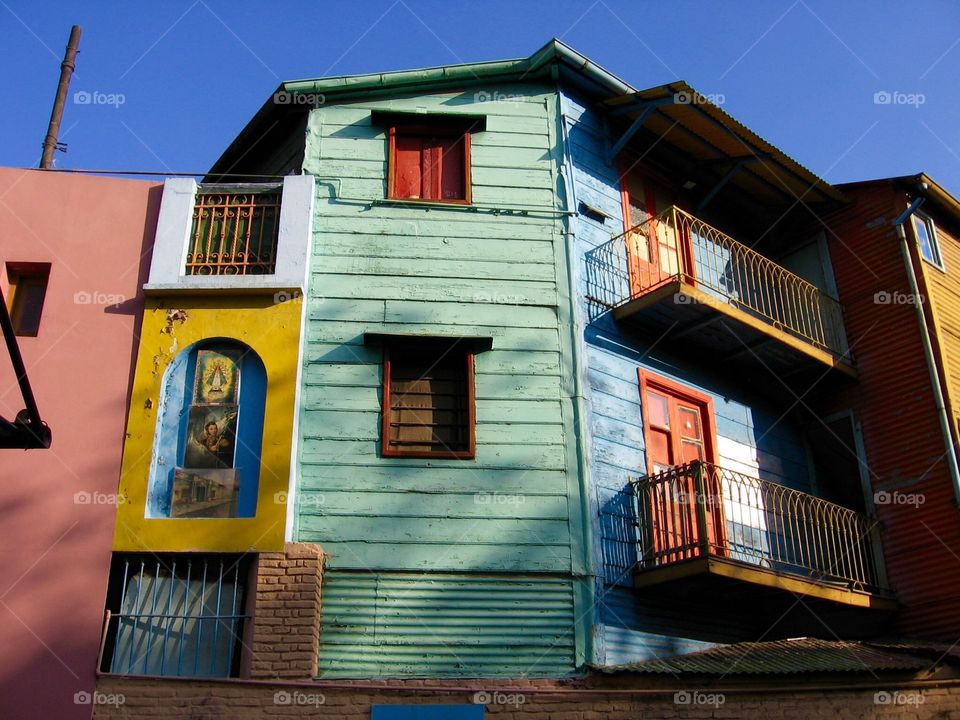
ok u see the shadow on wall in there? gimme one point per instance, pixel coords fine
(754, 441)
(50, 642)
(133, 307)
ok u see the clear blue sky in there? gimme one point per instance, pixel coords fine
(801, 73)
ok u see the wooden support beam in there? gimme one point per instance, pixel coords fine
(631, 131)
(718, 186)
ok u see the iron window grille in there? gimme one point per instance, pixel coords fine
(176, 615)
(235, 232)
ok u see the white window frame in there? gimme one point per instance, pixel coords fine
(931, 229)
(174, 224)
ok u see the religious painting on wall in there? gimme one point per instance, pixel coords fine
(205, 493)
(208, 484)
(217, 376)
(211, 436)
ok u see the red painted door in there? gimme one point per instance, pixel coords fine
(652, 250)
(675, 434)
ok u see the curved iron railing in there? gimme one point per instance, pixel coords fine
(235, 231)
(701, 509)
(676, 245)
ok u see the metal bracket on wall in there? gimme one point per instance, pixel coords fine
(27, 430)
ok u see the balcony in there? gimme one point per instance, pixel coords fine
(708, 530)
(246, 238)
(691, 284)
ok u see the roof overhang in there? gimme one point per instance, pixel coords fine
(677, 115)
(919, 185)
(295, 98)
(733, 156)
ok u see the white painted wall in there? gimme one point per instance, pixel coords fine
(173, 232)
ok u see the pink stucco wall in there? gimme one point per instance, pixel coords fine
(54, 548)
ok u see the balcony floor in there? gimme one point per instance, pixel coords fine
(735, 577)
(763, 603)
(730, 335)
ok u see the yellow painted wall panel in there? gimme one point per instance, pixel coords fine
(171, 325)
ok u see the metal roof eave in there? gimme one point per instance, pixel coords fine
(703, 119)
(573, 67)
(918, 184)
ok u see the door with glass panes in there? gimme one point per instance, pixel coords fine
(678, 430)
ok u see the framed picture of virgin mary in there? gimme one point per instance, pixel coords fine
(217, 378)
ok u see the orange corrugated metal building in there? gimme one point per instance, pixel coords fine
(908, 454)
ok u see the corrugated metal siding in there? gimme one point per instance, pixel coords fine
(944, 291)
(895, 405)
(438, 624)
(800, 655)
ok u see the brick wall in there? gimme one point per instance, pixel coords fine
(153, 698)
(284, 642)
(282, 647)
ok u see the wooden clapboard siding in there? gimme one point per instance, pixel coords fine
(407, 269)
(633, 626)
(492, 546)
(652, 629)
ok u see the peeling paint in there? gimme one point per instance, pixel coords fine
(174, 316)
(229, 317)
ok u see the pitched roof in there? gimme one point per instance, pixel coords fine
(919, 184)
(801, 655)
(573, 67)
(700, 129)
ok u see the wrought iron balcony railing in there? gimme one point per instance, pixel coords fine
(700, 510)
(235, 231)
(677, 246)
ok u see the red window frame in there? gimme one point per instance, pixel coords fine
(435, 134)
(389, 450)
(677, 391)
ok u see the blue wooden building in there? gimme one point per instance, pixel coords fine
(729, 492)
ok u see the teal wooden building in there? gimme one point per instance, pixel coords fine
(489, 443)
(465, 551)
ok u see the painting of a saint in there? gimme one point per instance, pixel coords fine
(211, 437)
(216, 378)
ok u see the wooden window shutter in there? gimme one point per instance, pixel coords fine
(428, 403)
(452, 182)
(408, 174)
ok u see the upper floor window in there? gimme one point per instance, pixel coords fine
(209, 433)
(428, 400)
(28, 290)
(927, 239)
(234, 232)
(429, 162)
